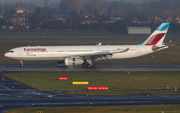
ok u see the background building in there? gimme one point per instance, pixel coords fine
(138, 30)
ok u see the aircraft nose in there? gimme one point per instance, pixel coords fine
(6, 54)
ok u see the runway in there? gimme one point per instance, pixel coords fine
(98, 68)
(15, 95)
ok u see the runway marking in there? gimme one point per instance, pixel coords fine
(5, 87)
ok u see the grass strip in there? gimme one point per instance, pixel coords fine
(104, 109)
(79, 34)
(48, 81)
(67, 34)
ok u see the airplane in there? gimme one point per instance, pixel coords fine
(86, 55)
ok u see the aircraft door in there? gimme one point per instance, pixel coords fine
(138, 49)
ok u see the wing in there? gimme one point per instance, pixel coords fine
(99, 55)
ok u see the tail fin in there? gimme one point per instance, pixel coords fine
(157, 37)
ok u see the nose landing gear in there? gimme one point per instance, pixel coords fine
(21, 64)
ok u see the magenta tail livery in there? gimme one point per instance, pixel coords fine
(85, 55)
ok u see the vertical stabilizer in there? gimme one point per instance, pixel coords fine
(157, 37)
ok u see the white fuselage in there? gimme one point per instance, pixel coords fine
(57, 53)
(85, 55)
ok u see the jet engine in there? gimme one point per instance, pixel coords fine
(73, 61)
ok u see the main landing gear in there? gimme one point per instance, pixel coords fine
(21, 64)
(88, 64)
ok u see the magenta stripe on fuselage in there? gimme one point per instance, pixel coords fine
(155, 39)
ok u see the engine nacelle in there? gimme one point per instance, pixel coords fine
(72, 61)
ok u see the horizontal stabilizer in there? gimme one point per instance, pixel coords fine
(155, 48)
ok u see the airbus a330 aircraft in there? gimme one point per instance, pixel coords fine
(85, 55)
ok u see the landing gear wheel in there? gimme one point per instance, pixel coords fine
(21, 64)
(88, 66)
(83, 65)
(94, 66)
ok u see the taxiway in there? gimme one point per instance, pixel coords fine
(98, 68)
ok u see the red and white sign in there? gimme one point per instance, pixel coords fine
(103, 88)
(63, 78)
(92, 88)
(97, 88)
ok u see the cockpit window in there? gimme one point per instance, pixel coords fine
(11, 51)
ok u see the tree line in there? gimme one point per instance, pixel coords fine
(75, 10)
